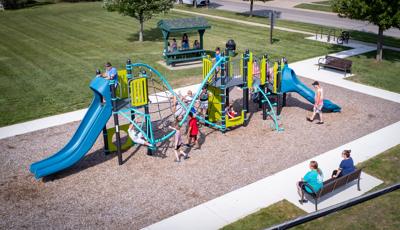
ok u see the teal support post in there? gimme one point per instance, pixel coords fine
(223, 94)
(245, 88)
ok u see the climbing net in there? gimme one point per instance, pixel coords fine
(155, 117)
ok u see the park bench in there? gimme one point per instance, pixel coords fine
(331, 185)
(335, 63)
(180, 56)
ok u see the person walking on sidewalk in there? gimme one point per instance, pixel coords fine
(318, 104)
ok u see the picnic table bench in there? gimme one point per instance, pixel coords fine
(188, 55)
(335, 63)
(331, 185)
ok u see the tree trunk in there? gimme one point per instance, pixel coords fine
(379, 45)
(141, 30)
(251, 8)
(195, 3)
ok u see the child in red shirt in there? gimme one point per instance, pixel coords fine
(193, 130)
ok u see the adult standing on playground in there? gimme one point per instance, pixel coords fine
(318, 104)
(111, 73)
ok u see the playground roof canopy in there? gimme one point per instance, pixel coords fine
(183, 24)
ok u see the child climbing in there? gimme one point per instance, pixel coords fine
(178, 143)
(137, 136)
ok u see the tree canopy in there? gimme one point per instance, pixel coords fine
(383, 13)
(142, 10)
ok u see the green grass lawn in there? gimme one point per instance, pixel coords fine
(357, 35)
(380, 213)
(385, 74)
(48, 54)
(323, 2)
(317, 7)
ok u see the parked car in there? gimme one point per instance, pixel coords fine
(197, 2)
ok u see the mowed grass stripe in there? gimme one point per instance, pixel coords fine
(53, 50)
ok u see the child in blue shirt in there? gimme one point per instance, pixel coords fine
(313, 178)
(111, 73)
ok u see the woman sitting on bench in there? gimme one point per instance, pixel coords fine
(346, 166)
(313, 178)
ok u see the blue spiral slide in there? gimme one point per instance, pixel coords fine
(290, 83)
(89, 129)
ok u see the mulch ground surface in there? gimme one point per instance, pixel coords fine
(97, 193)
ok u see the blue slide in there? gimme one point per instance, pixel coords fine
(290, 83)
(92, 124)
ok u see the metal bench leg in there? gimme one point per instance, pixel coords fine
(316, 204)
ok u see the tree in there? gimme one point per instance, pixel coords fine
(142, 10)
(383, 13)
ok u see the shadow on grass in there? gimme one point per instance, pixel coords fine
(388, 55)
(29, 4)
(261, 13)
(152, 35)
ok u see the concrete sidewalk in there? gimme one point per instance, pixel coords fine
(232, 206)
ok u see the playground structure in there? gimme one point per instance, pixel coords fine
(267, 82)
(143, 98)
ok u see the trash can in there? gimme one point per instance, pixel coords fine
(231, 47)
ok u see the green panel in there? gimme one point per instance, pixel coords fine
(110, 133)
(214, 104)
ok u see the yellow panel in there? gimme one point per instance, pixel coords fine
(263, 74)
(214, 104)
(275, 77)
(110, 133)
(122, 90)
(250, 71)
(139, 95)
(230, 66)
(241, 66)
(239, 120)
(207, 65)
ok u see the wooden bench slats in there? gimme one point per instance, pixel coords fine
(335, 63)
(184, 56)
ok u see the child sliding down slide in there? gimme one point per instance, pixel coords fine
(137, 136)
